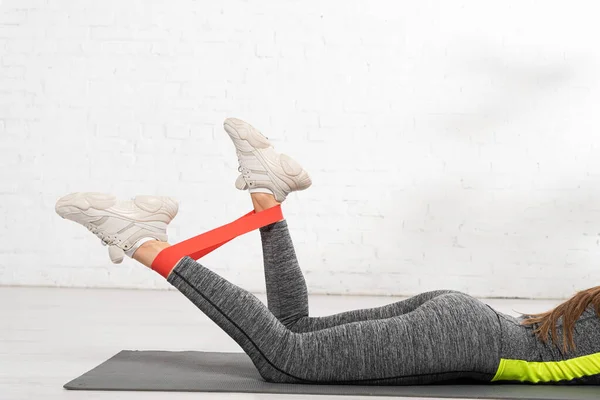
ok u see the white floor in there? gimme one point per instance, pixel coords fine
(50, 336)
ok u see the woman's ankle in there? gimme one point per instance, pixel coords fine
(148, 252)
(263, 201)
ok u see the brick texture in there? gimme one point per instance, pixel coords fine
(452, 144)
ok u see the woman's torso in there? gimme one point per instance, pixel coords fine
(526, 358)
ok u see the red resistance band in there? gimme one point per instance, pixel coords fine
(199, 246)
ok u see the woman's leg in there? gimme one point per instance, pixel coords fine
(452, 336)
(448, 337)
(287, 296)
(270, 177)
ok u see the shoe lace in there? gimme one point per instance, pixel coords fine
(107, 240)
(243, 170)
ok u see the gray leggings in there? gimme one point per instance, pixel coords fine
(435, 336)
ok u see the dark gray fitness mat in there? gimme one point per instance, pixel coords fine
(194, 371)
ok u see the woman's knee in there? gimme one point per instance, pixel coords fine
(273, 374)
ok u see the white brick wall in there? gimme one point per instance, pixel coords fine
(452, 144)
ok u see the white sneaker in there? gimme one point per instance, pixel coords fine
(119, 224)
(263, 169)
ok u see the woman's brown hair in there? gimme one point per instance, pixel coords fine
(569, 312)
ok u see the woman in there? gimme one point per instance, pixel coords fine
(431, 337)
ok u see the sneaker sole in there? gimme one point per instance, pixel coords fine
(84, 201)
(102, 201)
(293, 175)
(247, 132)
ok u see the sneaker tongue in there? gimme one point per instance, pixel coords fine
(116, 254)
(240, 183)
